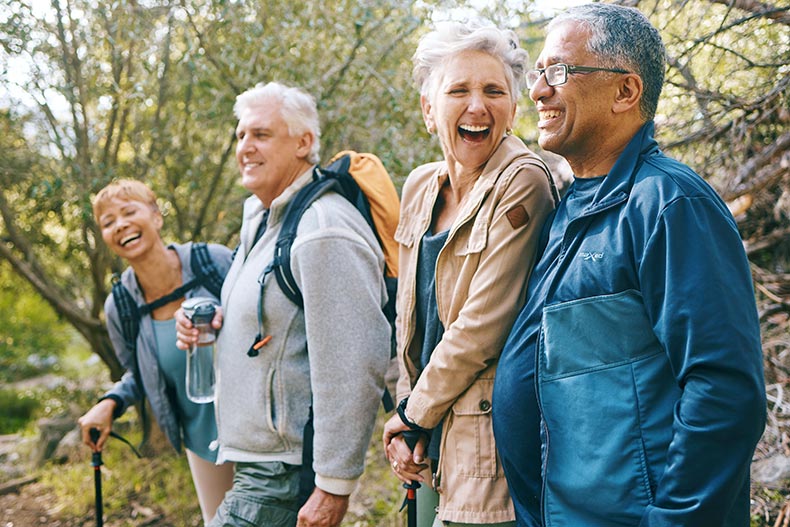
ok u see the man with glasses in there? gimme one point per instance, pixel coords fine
(630, 391)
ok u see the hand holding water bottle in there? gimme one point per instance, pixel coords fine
(201, 340)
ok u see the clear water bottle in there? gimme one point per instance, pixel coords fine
(200, 378)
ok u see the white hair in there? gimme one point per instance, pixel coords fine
(297, 108)
(622, 37)
(451, 38)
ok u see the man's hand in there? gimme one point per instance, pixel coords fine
(322, 510)
(186, 333)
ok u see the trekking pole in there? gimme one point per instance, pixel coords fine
(96, 463)
(411, 437)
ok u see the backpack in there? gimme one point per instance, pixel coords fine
(362, 180)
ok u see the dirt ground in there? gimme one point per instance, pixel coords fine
(32, 507)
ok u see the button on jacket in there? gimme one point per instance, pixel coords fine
(480, 284)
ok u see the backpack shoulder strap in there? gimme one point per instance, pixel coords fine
(206, 274)
(204, 268)
(130, 315)
(127, 312)
(281, 265)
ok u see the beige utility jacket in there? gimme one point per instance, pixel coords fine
(481, 276)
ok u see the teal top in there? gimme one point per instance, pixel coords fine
(198, 426)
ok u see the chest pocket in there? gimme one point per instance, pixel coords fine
(405, 233)
(472, 238)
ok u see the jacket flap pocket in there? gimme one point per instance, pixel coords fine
(476, 238)
(595, 332)
(476, 400)
(404, 234)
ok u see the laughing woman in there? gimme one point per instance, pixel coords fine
(130, 222)
(468, 232)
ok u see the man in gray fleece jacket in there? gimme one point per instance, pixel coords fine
(263, 402)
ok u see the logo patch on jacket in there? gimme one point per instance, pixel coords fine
(591, 256)
(517, 216)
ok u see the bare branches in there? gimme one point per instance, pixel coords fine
(779, 14)
(766, 167)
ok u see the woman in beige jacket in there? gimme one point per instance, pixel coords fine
(468, 233)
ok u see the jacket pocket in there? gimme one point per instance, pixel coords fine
(595, 333)
(469, 444)
(405, 232)
(271, 403)
(472, 239)
(607, 397)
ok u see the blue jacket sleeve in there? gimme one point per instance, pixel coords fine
(698, 292)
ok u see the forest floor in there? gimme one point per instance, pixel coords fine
(154, 491)
(157, 491)
(34, 500)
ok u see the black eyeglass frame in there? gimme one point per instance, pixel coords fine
(567, 70)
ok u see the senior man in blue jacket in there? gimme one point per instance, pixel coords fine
(630, 391)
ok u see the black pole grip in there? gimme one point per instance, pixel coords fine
(411, 437)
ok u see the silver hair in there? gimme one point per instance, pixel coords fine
(297, 108)
(622, 37)
(451, 38)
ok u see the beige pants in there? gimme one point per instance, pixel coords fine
(211, 482)
(427, 503)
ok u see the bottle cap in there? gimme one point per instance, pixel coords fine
(199, 309)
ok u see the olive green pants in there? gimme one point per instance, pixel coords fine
(263, 494)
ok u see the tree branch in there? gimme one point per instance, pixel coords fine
(779, 14)
(766, 242)
(763, 168)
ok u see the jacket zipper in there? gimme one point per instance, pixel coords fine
(592, 211)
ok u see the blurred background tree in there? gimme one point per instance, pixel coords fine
(92, 90)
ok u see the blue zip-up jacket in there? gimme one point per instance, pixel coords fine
(630, 391)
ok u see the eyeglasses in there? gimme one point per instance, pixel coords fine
(557, 74)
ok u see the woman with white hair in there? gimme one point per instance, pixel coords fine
(468, 234)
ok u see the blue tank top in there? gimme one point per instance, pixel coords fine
(198, 425)
(428, 325)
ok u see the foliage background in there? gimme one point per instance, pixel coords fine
(92, 90)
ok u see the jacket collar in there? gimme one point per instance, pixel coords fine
(617, 185)
(253, 208)
(509, 150)
(506, 153)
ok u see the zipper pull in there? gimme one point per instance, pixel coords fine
(258, 344)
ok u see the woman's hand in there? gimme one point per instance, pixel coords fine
(99, 417)
(405, 463)
(186, 334)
